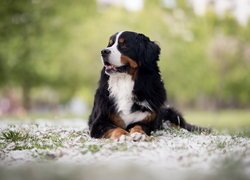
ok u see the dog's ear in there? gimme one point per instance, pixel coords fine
(149, 51)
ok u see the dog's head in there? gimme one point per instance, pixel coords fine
(127, 51)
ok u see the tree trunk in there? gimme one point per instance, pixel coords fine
(26, 96)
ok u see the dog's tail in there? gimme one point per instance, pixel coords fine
(173, 116)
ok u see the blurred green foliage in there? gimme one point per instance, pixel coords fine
(205, 61)
(230, 120)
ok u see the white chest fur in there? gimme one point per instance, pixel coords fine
(120, 87)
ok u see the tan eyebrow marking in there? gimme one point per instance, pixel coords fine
(110, 41)
(121, 40)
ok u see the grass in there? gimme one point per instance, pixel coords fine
(212, 156)
(236, 122)
(23, 141)
(221, 145)
(14, 136)
(53, 116)
(224, 119)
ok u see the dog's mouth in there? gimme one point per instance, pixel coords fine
(110, 68)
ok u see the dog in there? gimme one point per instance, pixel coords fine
(131, 98)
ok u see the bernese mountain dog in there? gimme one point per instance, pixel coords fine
(131, 99)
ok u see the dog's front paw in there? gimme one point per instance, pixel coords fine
(123, 138)
(139, 136)
(116, 133)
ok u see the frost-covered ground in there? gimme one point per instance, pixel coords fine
(44, 149)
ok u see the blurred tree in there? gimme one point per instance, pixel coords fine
(231, 68)
(23, 27)
(57, 44)
(3, 73)
(34, 35)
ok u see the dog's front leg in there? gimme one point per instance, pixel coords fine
(115, 133)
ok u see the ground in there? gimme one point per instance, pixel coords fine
(62, 149)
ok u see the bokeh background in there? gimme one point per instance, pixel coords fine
(50, 55)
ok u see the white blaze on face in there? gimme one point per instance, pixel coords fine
(115, 55)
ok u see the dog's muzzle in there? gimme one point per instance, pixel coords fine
(105, 52)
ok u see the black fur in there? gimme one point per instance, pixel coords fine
(148, 86)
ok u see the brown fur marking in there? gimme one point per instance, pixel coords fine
(121, 40)
(136, 129)
(149, 118)
(127, 60)
(117, 120)
(133, 65)
(115, 133)
(110, 41)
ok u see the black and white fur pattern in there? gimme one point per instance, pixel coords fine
(131, 97)
(121, 89)
(115, 55)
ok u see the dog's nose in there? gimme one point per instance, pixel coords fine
(105, 52)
